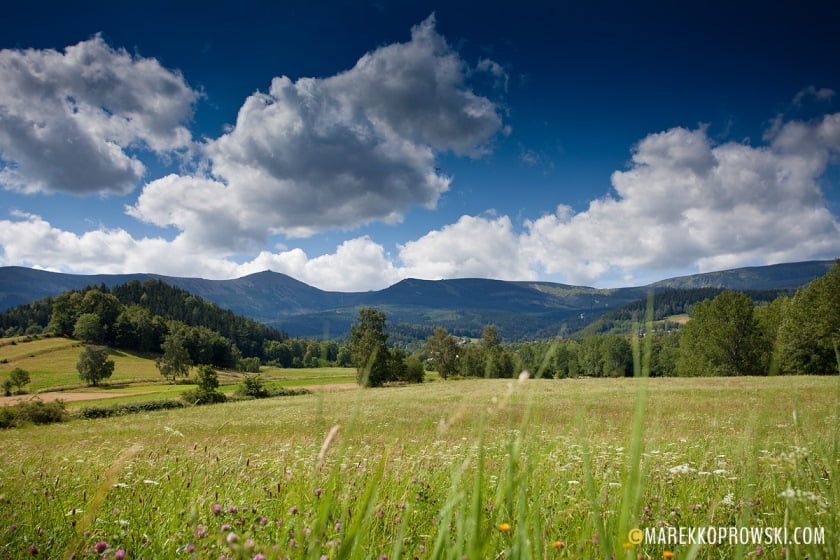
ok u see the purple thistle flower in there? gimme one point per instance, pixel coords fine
(233, 509)
(226, 527)
(259, 556)
(293, 510)
(318, 492)
(33, 550)
(119, 554)
(100, 547)
(217, 509)
(338, 525)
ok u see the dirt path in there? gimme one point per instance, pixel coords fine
(81, 396)
(64, 396)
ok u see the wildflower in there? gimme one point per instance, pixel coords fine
(504, 527)
(318, 492)
(293, 510)
(557, 545)
(217, 509)
(100, 547)
(226, 527)
(232, 537)
(421, 549)
(668, 554)
(338, 525)
(33, 550)
(259, 556)
(627, 545)
(119, 554)
(233, 509)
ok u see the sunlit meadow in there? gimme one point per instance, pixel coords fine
(477, 469)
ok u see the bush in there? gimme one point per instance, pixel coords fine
(91, 412)
(33, 411)
(202, 396)
(250, 365)
(252, 386)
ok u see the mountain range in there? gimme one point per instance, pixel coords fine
(520, 309)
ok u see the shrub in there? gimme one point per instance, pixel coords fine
(250, 365)
(252, 386)
(202, 396)
(128, 408)
(33, 411)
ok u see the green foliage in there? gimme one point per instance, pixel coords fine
(89, 328)
(33, 411)
(368, 350)
(7, 388)
(723, 338)
(809, 333)
(250, 365)
(414, 372)
(175, 361)
(442, 349)
(91, 412)
(93, 365)
(19, 378)
(200, 396)
(206, 378)
(206, 393)
(252, 386)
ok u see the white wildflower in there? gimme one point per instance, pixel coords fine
(681, 469)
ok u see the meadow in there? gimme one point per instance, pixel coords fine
(474, 469)
(51, 363)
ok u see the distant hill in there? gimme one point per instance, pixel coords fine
(771, 277)
(521, 310)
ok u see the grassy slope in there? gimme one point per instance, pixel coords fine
(406, 470)
(51, 363)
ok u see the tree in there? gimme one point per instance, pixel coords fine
(18, 378)
(368, 350)
(809, 334)
(94, 365)
(443, 350)
(175, 361)
(88, 328)
(723, 338)
(414, 370)
(206, 393)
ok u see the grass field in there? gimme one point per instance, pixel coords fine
(51, 363)
(457, 469)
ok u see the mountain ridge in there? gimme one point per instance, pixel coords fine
(519, 308)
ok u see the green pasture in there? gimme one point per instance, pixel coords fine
(458, 469)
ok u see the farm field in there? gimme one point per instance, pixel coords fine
(474, 468)
(51, 363)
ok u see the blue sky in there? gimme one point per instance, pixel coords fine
(354, 144)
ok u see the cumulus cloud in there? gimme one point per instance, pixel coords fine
(474, 246)
(316, 154)
(685, 202)
(72, 121)
(357, 264)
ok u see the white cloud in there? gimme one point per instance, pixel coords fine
(71, 121)
(685, 203)
(357, 265)
(820, 94)
(337, 152)
(474, 246)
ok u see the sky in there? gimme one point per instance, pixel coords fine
(354, 144)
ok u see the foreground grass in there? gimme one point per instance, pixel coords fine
(476, 469)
